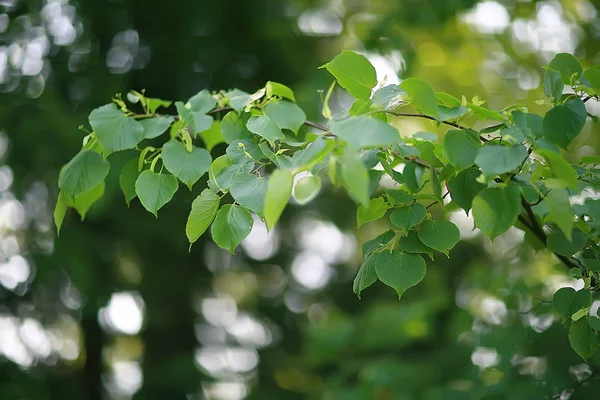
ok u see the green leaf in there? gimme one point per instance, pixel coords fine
(202, 102)
(250, 191)
(355, 176)
(583, 339)
(155, 190)
(553, 85)
(566, 65)
(399, 197)
(155, 126)
(278, 194)
(366, 275)
(265, 127)
(464, 187)
(496, 209)
(387, 96)
(374, 244)
(484, 113)
(412, 244)
(559, 244)
(593, 75)
(413, 174)
(115, 131)
(60, 210)
(447, 113)
(563, 123)
(212, 136)
(225, 177)
(196, 119)
(408, 216)
(440, 235)
(422, 97)
(233, 127)
(399, 270)
(461, 148)
(244, 151)
(307, 189)
(129, 175)
(238, 99)
(278, 89)
(496, 160)
(218, 165)
(154, 104)
(313, 154)
(285, 114)
(204, 209)
(559, 210)
(84, 201)
(354, 73)
(364, 131)
(561, 168)
(187, 166)
(85, 171)
(563, 301)
(377, 209)
(231, 225)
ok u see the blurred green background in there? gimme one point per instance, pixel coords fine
(116, 308)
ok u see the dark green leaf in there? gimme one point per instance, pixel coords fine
(583, 339)
(412, 244)
(399, 270)
(558, 242)
(440, 235)
(408, 216)
(372, 245)
(464, 187)
(553, 85)
(496, 209)
(496, 160)
(461, 148)
(413, 174)
(563, 123)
